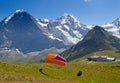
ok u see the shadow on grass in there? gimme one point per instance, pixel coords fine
(79, 73)
(41, 71)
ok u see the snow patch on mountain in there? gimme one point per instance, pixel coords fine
(54, 38)
(8, 18)
(41, 24)
(107, 25)
(77, 34)
(113, 28)
(68, 36)
(12, 15)
(19, 11)
(90, 27)
(68, 28)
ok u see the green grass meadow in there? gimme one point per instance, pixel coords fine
(92, 72)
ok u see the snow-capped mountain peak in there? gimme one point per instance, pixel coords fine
(116, 22)
(70, 17)
(67, 18)
(42, 23)
(113, 28)
(118, 19)
(19, 11)
(66, 29)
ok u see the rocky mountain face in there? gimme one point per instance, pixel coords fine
(95, 40)
(66, 29)
(20, 30)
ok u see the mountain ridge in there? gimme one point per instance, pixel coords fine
(95, 40)
(61, 32)
(21, 32)
(66, 27)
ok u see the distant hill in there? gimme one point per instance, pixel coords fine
(33, 57)
(95, 40)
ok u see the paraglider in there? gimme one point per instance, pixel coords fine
(56, 59)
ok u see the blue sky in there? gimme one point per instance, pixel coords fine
(88, 12)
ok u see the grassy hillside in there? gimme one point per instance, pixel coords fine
(92, 72)
(110, 53)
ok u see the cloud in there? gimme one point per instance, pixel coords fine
(87, 0)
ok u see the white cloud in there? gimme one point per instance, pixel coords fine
(87, 0)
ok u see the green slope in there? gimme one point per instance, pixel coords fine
(111, 53)
(92, 72)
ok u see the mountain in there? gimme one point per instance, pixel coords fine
(96, 39)
(66, 29)
(113, 28)
(21, 31)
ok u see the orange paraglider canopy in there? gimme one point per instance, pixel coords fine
(56, 59)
